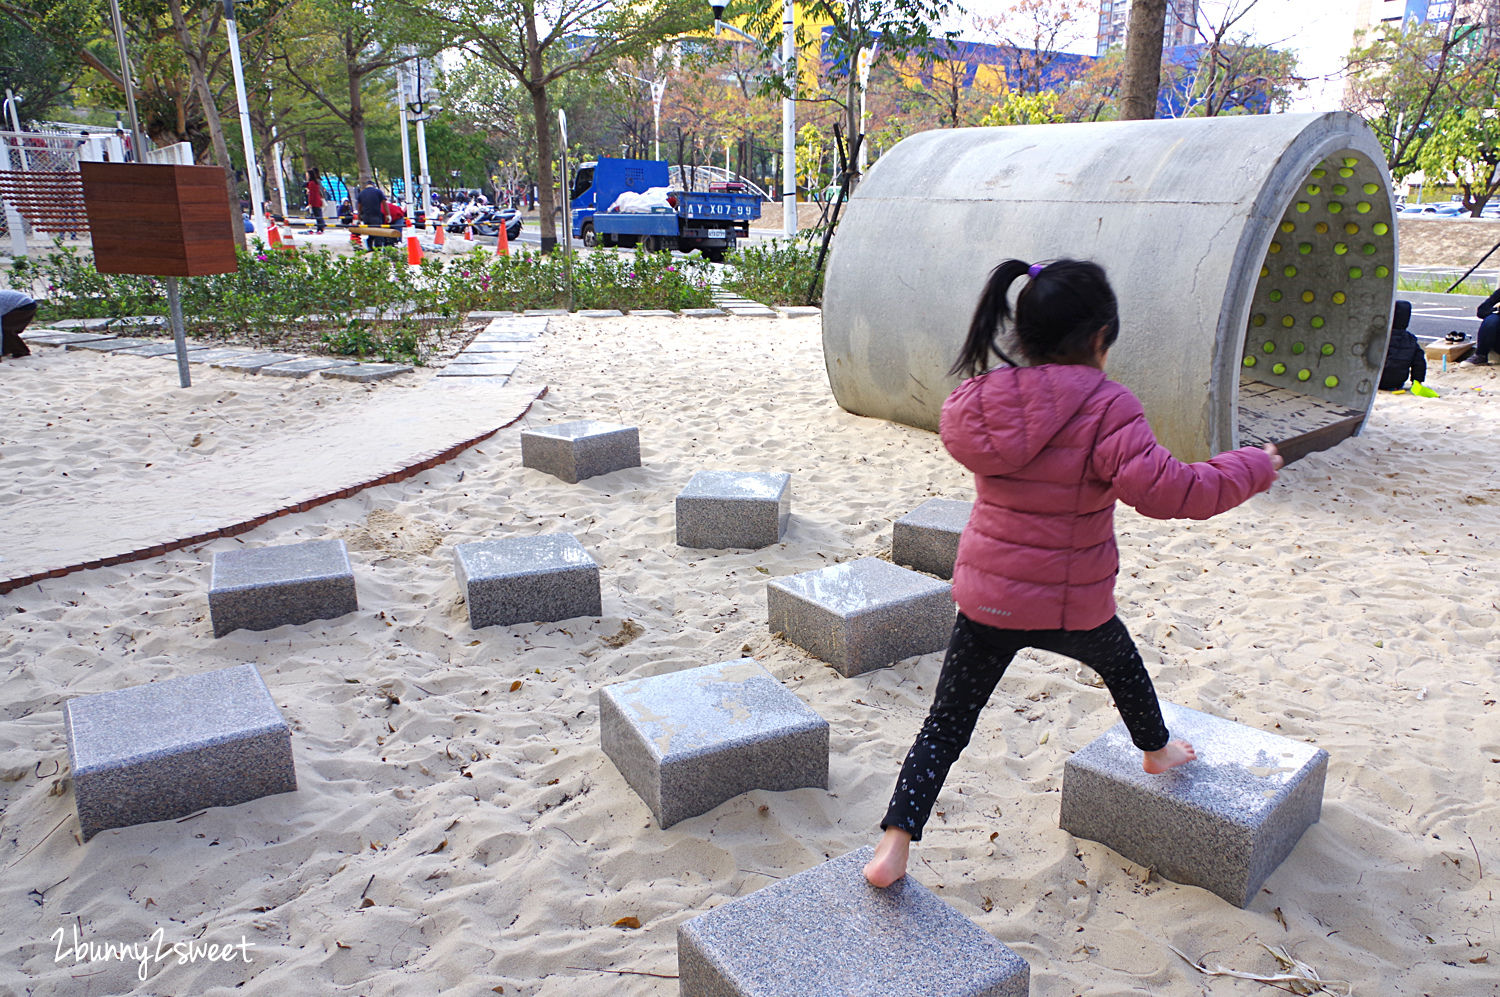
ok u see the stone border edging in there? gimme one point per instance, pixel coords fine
(423, 462)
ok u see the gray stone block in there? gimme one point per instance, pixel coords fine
(927, 537)
(110, 345)
(511, 347)
(364, 372)
(493, 369)
(489, 315)
(703, 313)
(55, 337)
(251, 363)
(601, 313)
(1223, 822)
(544, 312)
(303, 367)
(688, 740)
(217, 354)
(171, 748)
(261, 588)
(861, 615)
(825, 932)
(573, 451)
(160, 349)
(799, 311)
(85, 324)
(734, 509)
(750, 311)
(653, 313)
(527, 579)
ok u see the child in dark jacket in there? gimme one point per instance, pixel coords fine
(1489, 332)
(1052, 446)
(1404, 356)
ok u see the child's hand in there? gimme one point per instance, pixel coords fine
(1276, 462)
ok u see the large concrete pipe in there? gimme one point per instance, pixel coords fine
(1254, 259)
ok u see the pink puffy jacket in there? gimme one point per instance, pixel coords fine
(1052, 447)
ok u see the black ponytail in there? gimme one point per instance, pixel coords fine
(1057, 315)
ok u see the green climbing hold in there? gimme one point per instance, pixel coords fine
(1340, 248)
(1363, 207)
(1298, 347)
(1382, 271)
(1274, 295)
(1340, 189)
(1317, 322)
(1268, 347)
(1278, 368)
(1304, 374)
(1303, 207)
(1335, 207)
(1355, 273)
(1370, 188)
(1381, 228)
(1249, 361)
(1327, 350)
(1330, 381)
(1304, 248)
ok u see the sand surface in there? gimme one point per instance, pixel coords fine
(458, 830)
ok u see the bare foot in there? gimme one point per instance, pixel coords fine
(1176, 753)
(889, 863)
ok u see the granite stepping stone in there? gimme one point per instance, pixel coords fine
(262, 588)
(108, 345)
(1223, 822)
(507, 346)
(303, 367)
(601, 313)
(688, 740)
(171, 748)
(217, 354)
(502, 369)
(251, 363)
(580, 449)
(861, 615)
(703, 313)
(58, 337)
(527, 579)
(825, 932)
(799, 311)
(365, 372)
(158, 349)
(734, 509)
(86, 324)
(927, 537)
(653, 313)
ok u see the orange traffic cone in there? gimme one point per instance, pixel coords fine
(273, 236)
(286, 240)
(413, 250)
(468, 233)
(502, 242)
(439, 237)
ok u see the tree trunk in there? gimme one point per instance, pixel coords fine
(356, 108)
(546, 204)
(210, 116)
(1143, 43)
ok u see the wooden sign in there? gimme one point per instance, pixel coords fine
(160, 221)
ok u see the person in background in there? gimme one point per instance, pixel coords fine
(395, 217)
(16, 312)
(1404, 356)
(1488, 339)
(315, 198)
(371, 201)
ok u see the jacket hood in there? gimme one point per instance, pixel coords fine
(999, 421)
(1401, 318)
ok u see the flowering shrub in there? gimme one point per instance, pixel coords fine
(779, 273)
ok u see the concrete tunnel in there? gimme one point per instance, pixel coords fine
(1254, 259)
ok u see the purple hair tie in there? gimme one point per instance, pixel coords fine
(1035, 269)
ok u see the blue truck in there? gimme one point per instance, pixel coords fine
(708, 222)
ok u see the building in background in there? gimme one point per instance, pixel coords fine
(1481, 14)
(1114, 23)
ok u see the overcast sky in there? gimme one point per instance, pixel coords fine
(1319, 31)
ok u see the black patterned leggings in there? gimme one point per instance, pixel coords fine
(977, 657)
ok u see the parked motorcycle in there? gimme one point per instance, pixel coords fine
(486, 220)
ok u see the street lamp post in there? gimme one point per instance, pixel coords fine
(252, 175)
(788, 67)
(658, 88)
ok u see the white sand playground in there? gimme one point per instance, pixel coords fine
(458, 830)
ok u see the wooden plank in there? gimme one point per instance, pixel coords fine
(1453, 351)
(1299, 424)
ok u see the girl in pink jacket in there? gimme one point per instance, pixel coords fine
(1052, 445)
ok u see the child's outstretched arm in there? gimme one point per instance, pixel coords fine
(1146, 475)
